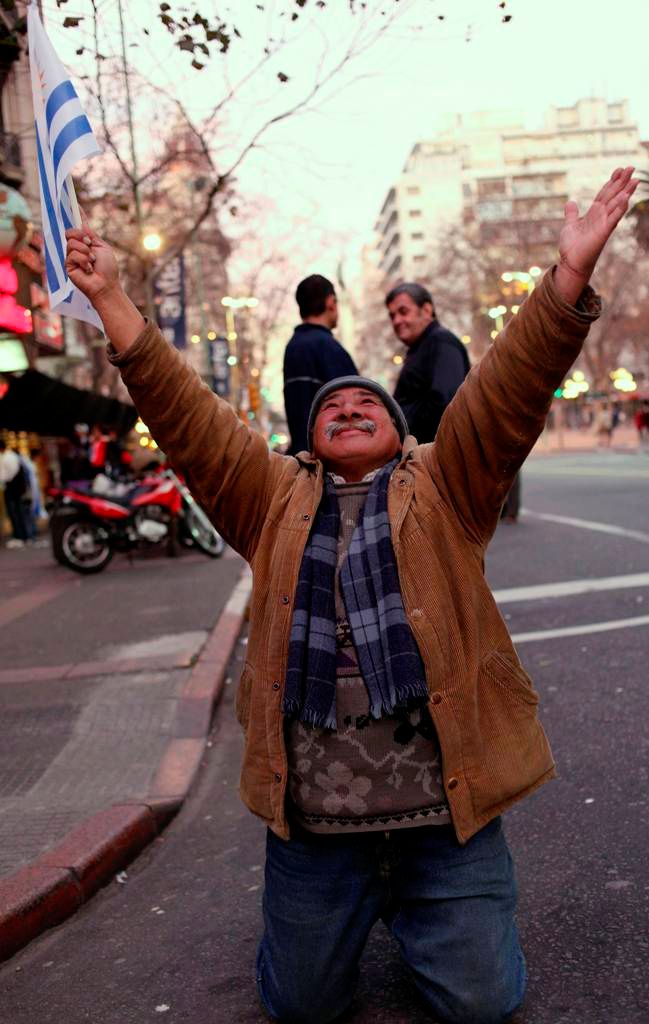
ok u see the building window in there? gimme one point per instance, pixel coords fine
(417, 235)
(413, 190)
(615, 113)
(567, 117)
(414, 213)
(490, 187)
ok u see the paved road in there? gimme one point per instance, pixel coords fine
(176, 941)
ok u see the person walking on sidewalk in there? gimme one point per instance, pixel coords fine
(603, 425)
(13, 479)
(641, 422)
(388, 721)
(312, 356)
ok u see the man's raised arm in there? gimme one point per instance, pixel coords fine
(228, 466)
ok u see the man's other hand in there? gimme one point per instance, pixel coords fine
(582, 238)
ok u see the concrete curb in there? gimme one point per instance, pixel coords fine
(57, 883)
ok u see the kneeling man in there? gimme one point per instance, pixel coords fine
(387, 718)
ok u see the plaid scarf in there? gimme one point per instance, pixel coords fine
(388, 657)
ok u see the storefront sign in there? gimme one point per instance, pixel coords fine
(13, 317)
(169, 299)
(48, 326)
(219, 352)
(15, 220)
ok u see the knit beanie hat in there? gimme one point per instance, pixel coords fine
(352, 381)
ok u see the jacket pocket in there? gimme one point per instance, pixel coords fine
(510, 675)
(243, 697)
(510, 753)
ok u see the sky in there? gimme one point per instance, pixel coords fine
(328, 169)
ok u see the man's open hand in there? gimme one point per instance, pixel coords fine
(583, 238)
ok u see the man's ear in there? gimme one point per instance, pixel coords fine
(429, 309)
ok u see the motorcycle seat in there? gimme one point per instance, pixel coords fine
(127, 499)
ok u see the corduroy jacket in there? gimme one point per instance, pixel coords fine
(444, 500)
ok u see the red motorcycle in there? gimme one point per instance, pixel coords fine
(88, 525)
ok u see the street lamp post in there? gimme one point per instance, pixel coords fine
(151, 243)
(195, 186)
(230, 304)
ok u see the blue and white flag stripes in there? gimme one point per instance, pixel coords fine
(63, 138)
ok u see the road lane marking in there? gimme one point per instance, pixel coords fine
(588, 524)
(593, 627)
(570, 587)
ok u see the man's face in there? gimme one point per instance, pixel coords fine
(409, 320)
(354, 433)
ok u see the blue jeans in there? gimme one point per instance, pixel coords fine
(450, 908)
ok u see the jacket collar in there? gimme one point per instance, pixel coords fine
(304, 327)
(427, 332)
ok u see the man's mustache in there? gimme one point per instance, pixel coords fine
(333, 429)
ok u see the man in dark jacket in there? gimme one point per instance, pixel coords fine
(436, 362)
(313, 356)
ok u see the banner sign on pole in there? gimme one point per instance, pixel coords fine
(169, 300)
(219, 352)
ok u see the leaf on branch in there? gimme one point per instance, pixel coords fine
(72, 22)
(203, 48)
(168, 22)
(506, 18)
(186, 43)
(165, 7)
(224, 40)
(282, 77)
(197, 64)
(59, 3)
(79, 51)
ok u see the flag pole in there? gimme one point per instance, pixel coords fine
(74, 205)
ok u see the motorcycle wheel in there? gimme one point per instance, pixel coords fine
(85, 547)
(203, 535)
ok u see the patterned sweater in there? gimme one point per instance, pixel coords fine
(370, 774)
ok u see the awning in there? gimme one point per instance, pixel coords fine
(38, 403)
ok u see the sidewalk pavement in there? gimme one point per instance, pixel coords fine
(624, 439)
(99, 754)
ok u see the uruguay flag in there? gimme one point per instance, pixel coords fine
(63, 138)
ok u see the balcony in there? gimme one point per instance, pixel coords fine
(11, 163)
